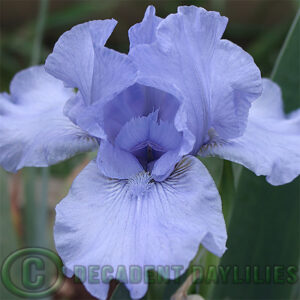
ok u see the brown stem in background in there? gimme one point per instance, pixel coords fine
(15, 191)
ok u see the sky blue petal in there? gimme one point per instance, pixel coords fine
(117, 163)
(236, 83)
(144, 32)
(181, 57)
(113, 72)
(72, 59)
(33, 128)
(270, 145)
(163, 167)
(270, 105)
(80, 59)
(85, 116)
(104, 221)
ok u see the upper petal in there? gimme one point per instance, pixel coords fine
(72, 59)
(139, 223)
(181, 58)
(270, 145)
(113, 72)
(236, 83)
(144, 32)
(33, 128)
(80, 59)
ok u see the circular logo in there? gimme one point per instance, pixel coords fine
(34, 272)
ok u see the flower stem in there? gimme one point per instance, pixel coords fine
(36, 211)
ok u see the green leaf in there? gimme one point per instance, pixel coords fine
(226, 187)
(36, 206)
(264, 230)
(287, 68)
(227, 190)
(120, 292)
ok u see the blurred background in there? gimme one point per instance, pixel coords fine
(28, 198)
(259, 26)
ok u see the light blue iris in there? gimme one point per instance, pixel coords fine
(181, 91)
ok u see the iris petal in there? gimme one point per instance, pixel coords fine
(144, 32)
(135, 102)
(180, 59)
(117, 163)
(33, 128)
(270, 145)
(80, 59)
(72, 59)
(236, 83)
(110, 222)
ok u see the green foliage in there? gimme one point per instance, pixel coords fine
(287, 68)
(265, 229)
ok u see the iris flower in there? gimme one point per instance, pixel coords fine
(181, 91)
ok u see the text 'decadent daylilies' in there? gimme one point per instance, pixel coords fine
(181, 91)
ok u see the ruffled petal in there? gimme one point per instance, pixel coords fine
(271, 143)
(33, 128)
(113, 73)
(236, 83)
(72, 59)
(106, 222)
(144, 32)
(181, 59)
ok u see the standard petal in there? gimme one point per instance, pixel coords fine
(33, 128)
(113, 73)
(236, 83)
(72, 59)
(181, 58)
(271, 143)
(144, 32)
(107, 222)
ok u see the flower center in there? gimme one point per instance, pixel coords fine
(139, 185)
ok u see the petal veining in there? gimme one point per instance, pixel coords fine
(162, 226)
(33, 129)
(270, 145)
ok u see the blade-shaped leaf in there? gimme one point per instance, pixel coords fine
(264, 230)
